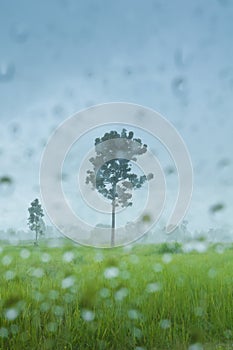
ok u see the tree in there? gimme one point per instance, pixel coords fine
(112, 169)
(35, 221)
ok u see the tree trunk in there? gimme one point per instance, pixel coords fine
(113, 216)
(113, 223)
(36, 236)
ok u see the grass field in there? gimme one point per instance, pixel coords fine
(143, 297)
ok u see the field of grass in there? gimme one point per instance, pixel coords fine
(139, 298)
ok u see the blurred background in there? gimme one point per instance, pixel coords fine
(60, 56)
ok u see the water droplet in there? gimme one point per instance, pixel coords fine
(44, 307)
(223, 163)
(58, 111)
(6, 260)
(137, 333)
(45, 257)
(125, 275)
(29, 152)
(6, 180)
(68, 298)
(52, 327)
(198, 311)
(14, 128)
(154, 287)
(14, 329)
(165, 324)
(58, 310)
(182, 59)
(197, 246)
(212, 273)
(134, 314)
(19, 33)
(37, 272)
(228, 334)
(99, 257)
(217, 207)
(38, 296)
(68, 256)
(219, 249)
(9, 275)
(7, 72)
(128, 71)
(53, 294)
(6, 185)
(158, 267)
(167, 258)
(121, 294)
(88, 315)
(11, 314)
(196, 346)
(146, 218)
(134, 259)
(68, 282)
(111, 272)
(180, 89)
(169, 170)
(3, 332)
(90, 74)
(25, 253)
(179, 86)
(105, 293)
(224, 2)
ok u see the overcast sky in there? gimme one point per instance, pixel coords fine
(58, 57)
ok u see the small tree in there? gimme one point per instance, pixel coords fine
(111, 175)
(35, 221)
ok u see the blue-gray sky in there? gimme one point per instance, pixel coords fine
(57, 57)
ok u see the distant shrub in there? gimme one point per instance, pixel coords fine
(170, 247)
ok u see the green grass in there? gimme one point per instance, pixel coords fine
(72, 297)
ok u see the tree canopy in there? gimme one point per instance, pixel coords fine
(112, 174)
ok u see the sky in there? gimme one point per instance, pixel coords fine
(62, 56)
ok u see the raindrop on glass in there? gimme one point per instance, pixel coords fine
(9, 275)
(167, 258)
(196, 346)
(25, 253)
(6, 185)
(153, 287)
(88, 315)
(68, 256)
(19, 33)
(6, 260)
(121, 294)
(7, 72)
(133, 314)
(3, 332)
(111, 272)
(165, 324)
(11, 314)
(67, 282)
